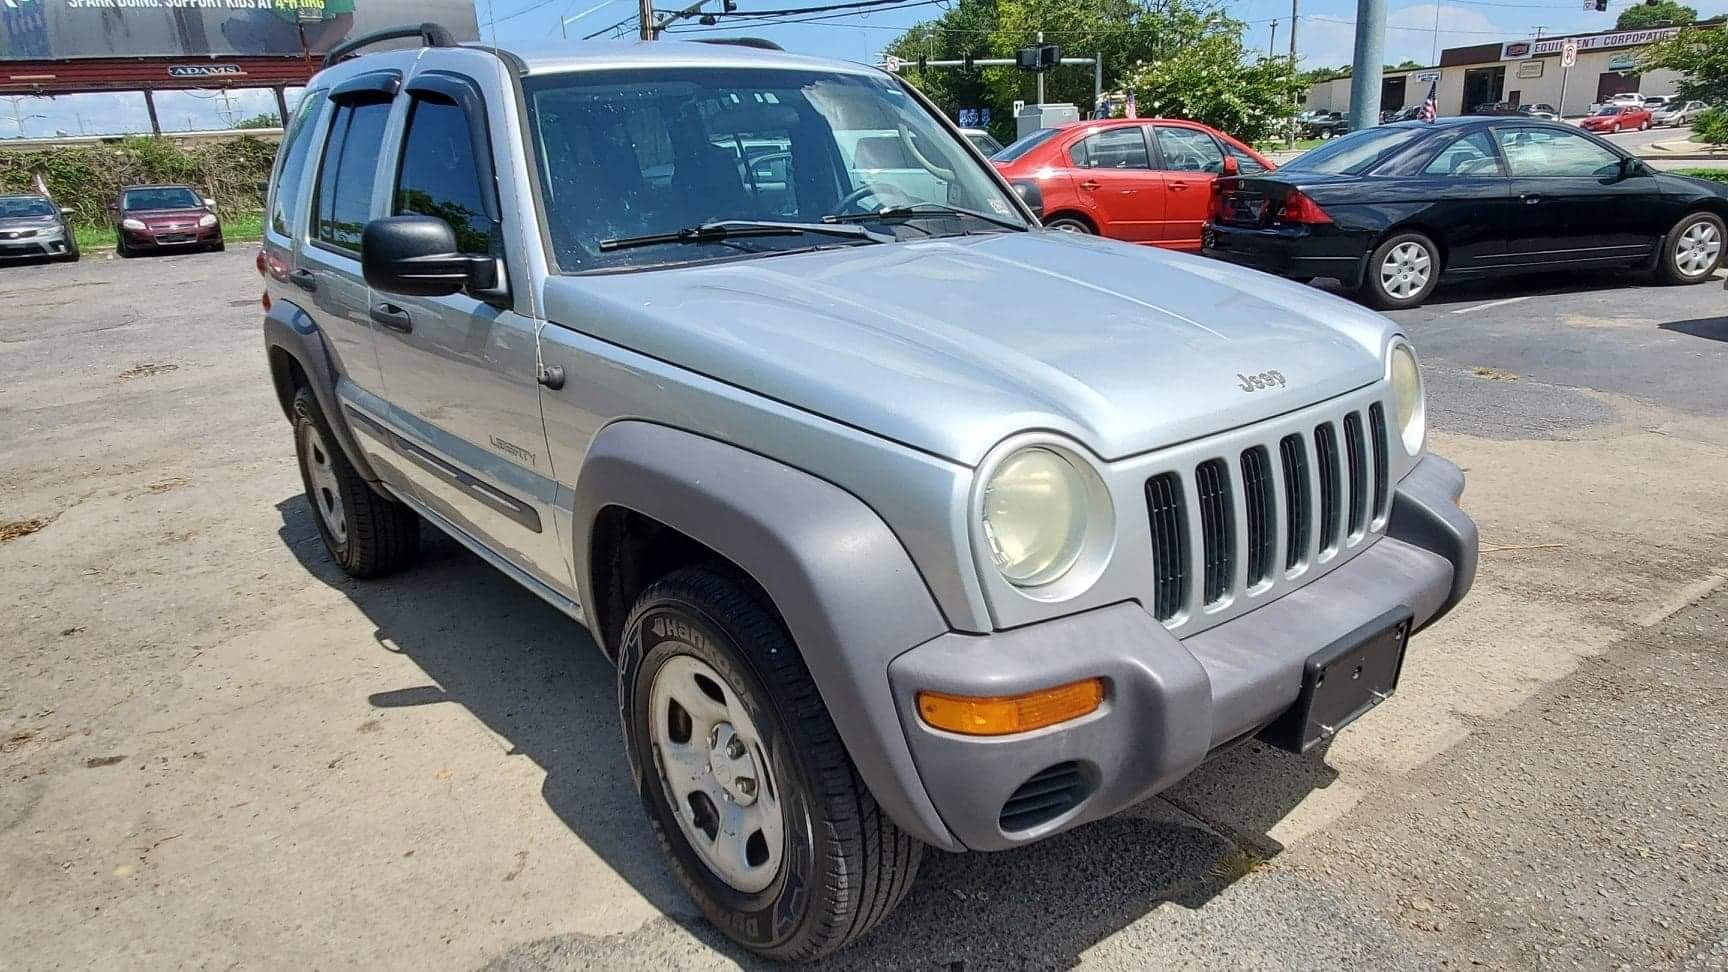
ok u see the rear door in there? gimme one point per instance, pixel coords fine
(1190, 160)
(1117, 185)
(328, 270)
(461, 369)
(1572, 203)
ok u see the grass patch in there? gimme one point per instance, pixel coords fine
(245, 227)
(1714, 175)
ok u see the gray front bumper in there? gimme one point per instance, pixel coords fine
(1168, 703)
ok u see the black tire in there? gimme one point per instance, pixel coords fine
(380, 535)
(845, 865)
(219, 245)
(121, 250)
(1669, 267)
(1071, 224)
(1373, 290)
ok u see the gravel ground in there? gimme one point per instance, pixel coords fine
(216, 751)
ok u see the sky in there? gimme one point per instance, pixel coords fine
(1325, 37)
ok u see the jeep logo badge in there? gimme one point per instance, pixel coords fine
(1265, 379)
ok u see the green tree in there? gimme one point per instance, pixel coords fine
(1700, 56)
(1129, 35)
(266, 119)
(1661, 13)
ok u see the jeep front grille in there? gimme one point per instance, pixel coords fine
(1327, 490)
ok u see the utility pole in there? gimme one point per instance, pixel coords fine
(1272, 41)
(1368, 64)
(1040, 73)
(1290, 134)
(645, 13)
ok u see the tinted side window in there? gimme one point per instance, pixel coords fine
(1546, 152)
(440, 175)
(1113, 148)
(1186, 150)
(344, 201)
(291, 164)
(1471, 156)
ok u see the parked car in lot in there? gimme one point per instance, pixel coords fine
(984, 141)
(1617, 118)
(155, 218)
(1678, 113)
(1142, 180)
(32, 226)
(1406, 113)
(1625, 99)
(904, 521)
(1325, 125)
(1392, 210)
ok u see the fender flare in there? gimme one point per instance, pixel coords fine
(846, 588)
(291, 333)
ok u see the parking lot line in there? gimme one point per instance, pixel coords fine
(1492, 303)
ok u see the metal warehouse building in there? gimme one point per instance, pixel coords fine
(1520, 72)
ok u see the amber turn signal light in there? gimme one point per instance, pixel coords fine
(1002, 715)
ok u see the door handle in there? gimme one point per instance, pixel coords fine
(392, 317)
(1531, 199)
(1178, 186)
(1088, 185)
(304, 279)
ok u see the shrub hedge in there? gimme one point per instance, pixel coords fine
(87, 178)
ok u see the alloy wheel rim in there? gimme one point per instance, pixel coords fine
(1696, 252)
(715, 773)
(1405, 270)
(326, 496)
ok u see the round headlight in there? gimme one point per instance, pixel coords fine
(1035, 516)
(1407, 398)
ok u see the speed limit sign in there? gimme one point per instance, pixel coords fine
(1569, 54)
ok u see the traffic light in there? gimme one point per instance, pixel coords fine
(730, 6)
(1040, 58)
(1601, 6)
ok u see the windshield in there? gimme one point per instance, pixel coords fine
(1610, 110)
(146, 199)
(644, 152)
(1357, 152)
(25, 206)
(1024, 144)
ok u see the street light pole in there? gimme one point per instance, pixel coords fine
(1290, 132)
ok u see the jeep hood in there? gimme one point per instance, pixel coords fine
(952, 345)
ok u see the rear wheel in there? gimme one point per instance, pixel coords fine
(746, 783)
(1402, 272)
(1693, 249)
(366, 533)
(1070, 224)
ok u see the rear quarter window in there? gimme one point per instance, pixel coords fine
(291, 165)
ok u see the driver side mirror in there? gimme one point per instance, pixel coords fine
(209, 204)
(1031, 195)
(1629, 167)
(417, 256)
(1230, 166)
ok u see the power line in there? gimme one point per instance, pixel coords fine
(819, 20)
(517, 13)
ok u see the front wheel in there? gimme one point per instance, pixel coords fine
(746, 783)
(1068, 224)
(1402, 272)
(1693, 249)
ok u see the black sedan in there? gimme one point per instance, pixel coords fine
(1391, 210)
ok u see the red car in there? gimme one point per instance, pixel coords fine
(1143, 180)
(150, 218)
(1617, 118)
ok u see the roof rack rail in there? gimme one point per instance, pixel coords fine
(760, 43)
(431, 35)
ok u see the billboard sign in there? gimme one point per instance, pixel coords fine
(56, 29)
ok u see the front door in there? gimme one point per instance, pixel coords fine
(1190, 160)
(1572, 202)
(461, 369)
(1116, 184)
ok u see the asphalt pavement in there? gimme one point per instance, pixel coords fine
(215, 750)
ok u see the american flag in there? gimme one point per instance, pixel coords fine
(1128, 108)
(1429, 109)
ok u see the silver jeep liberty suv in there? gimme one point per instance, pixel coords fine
(905, 521)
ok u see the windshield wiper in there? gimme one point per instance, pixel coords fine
(923, 209)
(730, 229)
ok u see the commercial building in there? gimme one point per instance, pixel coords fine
(1526, 72)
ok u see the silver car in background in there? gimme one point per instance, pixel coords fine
(32, 226)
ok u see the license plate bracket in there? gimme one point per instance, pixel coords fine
(1342, 681)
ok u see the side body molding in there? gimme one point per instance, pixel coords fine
(847, 589)
(291, 331)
